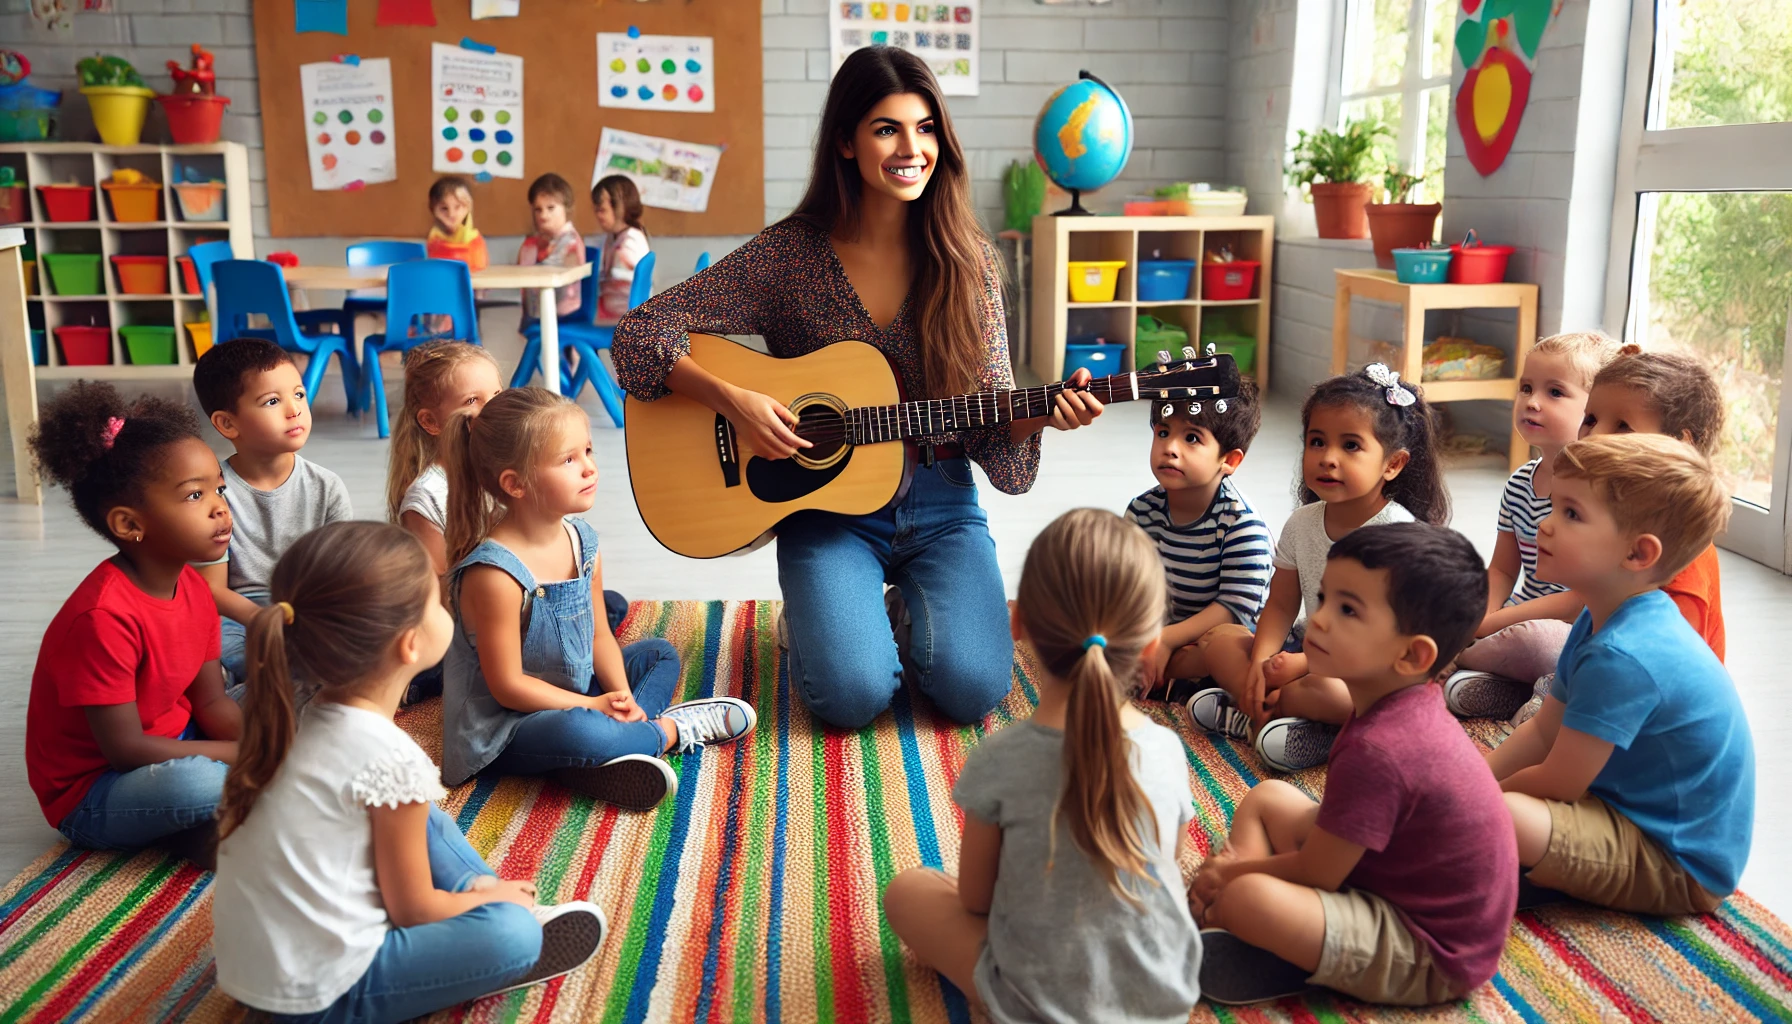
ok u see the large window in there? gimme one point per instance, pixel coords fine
(1394, 61)
(1704, 212)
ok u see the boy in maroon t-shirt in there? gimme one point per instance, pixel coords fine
(1399, 887)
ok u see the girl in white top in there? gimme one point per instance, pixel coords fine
(618, 205)
(1368, 458)
(343, 893)
(440, 378)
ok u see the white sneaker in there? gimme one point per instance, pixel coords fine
(1214, 710)
(1470, 694)
(571, 934)
(709, 720)
(1295, 744)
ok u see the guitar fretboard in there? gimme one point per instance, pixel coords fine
(872, 424)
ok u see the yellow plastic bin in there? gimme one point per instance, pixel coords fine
(201, 333)
(1094, 280)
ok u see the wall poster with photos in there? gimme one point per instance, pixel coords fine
(944, 35)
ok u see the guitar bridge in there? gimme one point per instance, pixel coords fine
(726, 452)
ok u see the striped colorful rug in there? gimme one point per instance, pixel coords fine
(755, 896)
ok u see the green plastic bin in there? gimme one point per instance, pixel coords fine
(149, 344)
(73, 273)
(1241, 347)
(1156, 335)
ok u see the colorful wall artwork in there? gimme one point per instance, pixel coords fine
(671, 175)
(943, 35)
(348, 123)
(675, 74)
(476, 112)
(1498, 41)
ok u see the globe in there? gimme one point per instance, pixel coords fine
(1083, 137)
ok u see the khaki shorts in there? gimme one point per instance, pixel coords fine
(1600, 856)
(1371, 954)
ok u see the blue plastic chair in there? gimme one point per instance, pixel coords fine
(204, 256)
(249, 287)
(418, 288)
(586, 338)
(382, 253)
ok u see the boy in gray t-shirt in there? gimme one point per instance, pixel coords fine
(257, 400)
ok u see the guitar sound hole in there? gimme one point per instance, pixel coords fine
(825, 428)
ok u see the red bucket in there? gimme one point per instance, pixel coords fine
(1476, 262)
(194, 120)
(1226, 281)
(85, 346)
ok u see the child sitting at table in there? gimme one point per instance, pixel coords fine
(555, 242)
(453, 236)
(618, 205)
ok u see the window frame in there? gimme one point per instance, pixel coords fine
(1409, 134)
(1712, 158)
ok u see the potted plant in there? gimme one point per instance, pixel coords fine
(1400, 223)
(1335, 166)
(117, 96)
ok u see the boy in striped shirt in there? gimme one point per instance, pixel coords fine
(1214, 546)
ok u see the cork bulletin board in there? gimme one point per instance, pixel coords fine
(557, 40)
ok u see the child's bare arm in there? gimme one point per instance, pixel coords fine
(118, 731)
(218, 716)
(1196, 626)
(1324, 861)
(231, 604)
(979, 851)
(1575, 759)
(430, 537)
(1502, 571)
(606, 653)
(1529, 743)
(401, 865)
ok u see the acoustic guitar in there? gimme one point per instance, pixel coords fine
(703, 493)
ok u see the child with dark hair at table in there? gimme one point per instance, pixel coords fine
(554, 243)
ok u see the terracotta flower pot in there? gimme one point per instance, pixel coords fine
(1338, 207)
(1400, 226)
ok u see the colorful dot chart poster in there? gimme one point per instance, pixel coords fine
(675, 74)
(348, 123)
(671, 175)
(943, 35)
(476, 112)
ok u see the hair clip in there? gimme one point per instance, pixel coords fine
(1398, 393)
(110, 433)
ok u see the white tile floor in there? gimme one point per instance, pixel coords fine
(48, 551)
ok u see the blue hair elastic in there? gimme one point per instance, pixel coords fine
(1097, 640)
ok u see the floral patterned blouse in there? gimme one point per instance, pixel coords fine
(788, 286)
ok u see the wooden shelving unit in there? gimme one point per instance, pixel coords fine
(1059, 240)
(43, 163)
(1415, 300)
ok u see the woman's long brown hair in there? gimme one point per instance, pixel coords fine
(946, 244)
(1091, 573)
(353, 587)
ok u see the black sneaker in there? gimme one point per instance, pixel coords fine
(633, 782)
(1234, 972)
(1295, 744)
(1484, 695)
(1531, 895)
(571, 934)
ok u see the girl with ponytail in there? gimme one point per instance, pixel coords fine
(343, 891)
(1068, 904)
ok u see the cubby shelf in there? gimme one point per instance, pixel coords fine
(1059, 240)
(42, 163)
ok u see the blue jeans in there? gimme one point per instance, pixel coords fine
(934, 544)
(233, 639)
(131, 810)
(429, 967)
(583, 737)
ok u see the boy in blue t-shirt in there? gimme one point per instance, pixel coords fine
(1214, 546)
(1634, 787)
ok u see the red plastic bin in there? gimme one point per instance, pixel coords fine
(85, 346)
(142, 275)
(1223, 281)
(67, 202)
(1476, 262)
(189, 275)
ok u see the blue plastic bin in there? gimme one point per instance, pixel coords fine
(40, 352)
(1421, 266)
(1164, 280)
(1099, 358)
(27, 113)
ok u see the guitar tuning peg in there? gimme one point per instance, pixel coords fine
(1163, 357)
(1188, 352)
(1192, 392)
(1211, 349)
(1194, 408)
(1166, 412)
(1219, 406)
(1165, 393)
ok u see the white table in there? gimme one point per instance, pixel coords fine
(542, 279)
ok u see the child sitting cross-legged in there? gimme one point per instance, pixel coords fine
(1068, 904)
(1398, 886)
(1634, 787)
(343, 892)
(1214, 546)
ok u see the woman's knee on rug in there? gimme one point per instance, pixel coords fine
(843, 691)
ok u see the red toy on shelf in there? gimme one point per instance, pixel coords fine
(195, 110)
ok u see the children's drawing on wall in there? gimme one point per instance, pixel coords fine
(944, 35)
(483, 9)
(1498, 42)
(348, 123)
(476, 114)
(667, 73)
(671, 175)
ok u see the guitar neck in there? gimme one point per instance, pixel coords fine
(873, 424)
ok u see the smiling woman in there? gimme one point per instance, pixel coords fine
(884, 248)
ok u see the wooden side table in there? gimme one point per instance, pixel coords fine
(1416, 299)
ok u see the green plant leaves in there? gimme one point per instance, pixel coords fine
(1341, 156)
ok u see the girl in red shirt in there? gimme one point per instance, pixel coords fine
(129, 730)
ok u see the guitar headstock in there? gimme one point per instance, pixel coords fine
(1194, 380)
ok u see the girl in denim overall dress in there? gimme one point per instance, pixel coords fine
(532, 685)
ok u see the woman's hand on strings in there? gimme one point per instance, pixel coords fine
(1075, 407)
(764, 425)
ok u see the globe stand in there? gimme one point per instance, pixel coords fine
(1076, 206)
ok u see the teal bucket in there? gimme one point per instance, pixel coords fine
(1421, 266)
